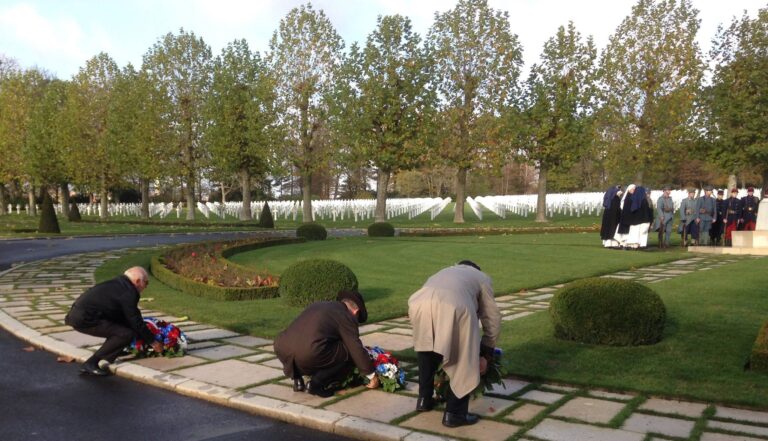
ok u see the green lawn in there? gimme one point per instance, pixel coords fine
(713, 319)
(389, 270)
(135, 225)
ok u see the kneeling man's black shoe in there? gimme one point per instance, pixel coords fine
(298, 385)
(457, 420)
(90, 369)
(424, 404)
(319, 390)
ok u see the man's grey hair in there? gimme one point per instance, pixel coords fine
(136, 272)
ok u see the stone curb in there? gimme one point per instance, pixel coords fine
(297, 414)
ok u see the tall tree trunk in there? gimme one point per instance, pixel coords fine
(541, 196)
(31, 199)
(381, 195)
(639, 177)
(189, 191)
(104, 194)
(461, 186)
(306, 197)
(223, 193)
(64, 199)
(245, 185)
(3, 208)
(765, 182)
(144, 188)
(731, 183)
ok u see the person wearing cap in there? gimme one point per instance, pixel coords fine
(611, 215)
(665, 208)
(110, 310)
(707, 214)
(732, 215)
(324, 342)
(688, 214)
(445, 314)
(718, 226)
(749, 205)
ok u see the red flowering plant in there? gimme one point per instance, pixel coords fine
(173, 339)
(494, 375)
(386, 367)
(204, 263)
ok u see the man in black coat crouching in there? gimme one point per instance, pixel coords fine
(110, 309)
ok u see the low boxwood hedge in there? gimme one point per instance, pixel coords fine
(218, 258)
(758, 359)
(492, 231)
(312, 231)
(381, 229)
(608, 311)
(314, 280)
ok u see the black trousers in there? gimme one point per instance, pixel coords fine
(118, 336)
(428, 364)
(331, 376)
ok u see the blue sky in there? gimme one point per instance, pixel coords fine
(60, 35)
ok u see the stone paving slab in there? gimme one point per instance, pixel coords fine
(390, 342)
(221, 352)
(210, 334)
(286, 393)
(541, 396)
(167, 364)
(510, 386)
(526, 412)
(375, 405)
(735, 427)
(77, 339)
(657, 424)
(247, 340)
(489, 406)
(485, 430)
(741, 414)
(611, 395)
(589, 410)
(231, 373)
(709, 436)
(693, 410)
(556, 430)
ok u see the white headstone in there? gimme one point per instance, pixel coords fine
(762, 216)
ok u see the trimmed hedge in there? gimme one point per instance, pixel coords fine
(265, 218)
(758, 359)
(315, 280)
(492, 231)
(312, 231)
(199, 289)
(608, 311)
(381, 229)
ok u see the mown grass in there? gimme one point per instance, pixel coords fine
(389, 270)
(713, 319)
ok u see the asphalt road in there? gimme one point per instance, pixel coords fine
(15, 251)
(42, 399)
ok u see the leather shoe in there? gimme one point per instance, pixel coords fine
(89, 369)
(457, 420)
(319, 390)
(424, 404)
(298, 385)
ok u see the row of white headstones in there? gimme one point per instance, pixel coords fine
(360, 210)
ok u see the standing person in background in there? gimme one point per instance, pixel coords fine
(689, 227)
(622, 232)
(732, 215)
(718, 226)
(611, 215)
(749, 206)
(445, 313)
(707, 214)
(637, 215)
(665, 214)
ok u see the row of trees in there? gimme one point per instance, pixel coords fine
(640, 111)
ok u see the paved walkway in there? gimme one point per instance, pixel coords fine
(242, 372)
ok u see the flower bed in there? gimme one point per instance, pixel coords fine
(204, 270)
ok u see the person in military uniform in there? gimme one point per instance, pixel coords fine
(749, 205)
(689, 228)
(665, 208)
(732, 215)
(707, 214)
(718, 226)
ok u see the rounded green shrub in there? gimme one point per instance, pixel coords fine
(48, 222)
(312, 231)
(608, 312)
(381, 229)
(315, 280)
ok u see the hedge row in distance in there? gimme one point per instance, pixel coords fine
(381, 229)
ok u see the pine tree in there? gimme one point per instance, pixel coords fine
(48, 221)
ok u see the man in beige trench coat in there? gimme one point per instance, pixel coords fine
(445, 314)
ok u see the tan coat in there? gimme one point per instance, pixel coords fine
(445, 314)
